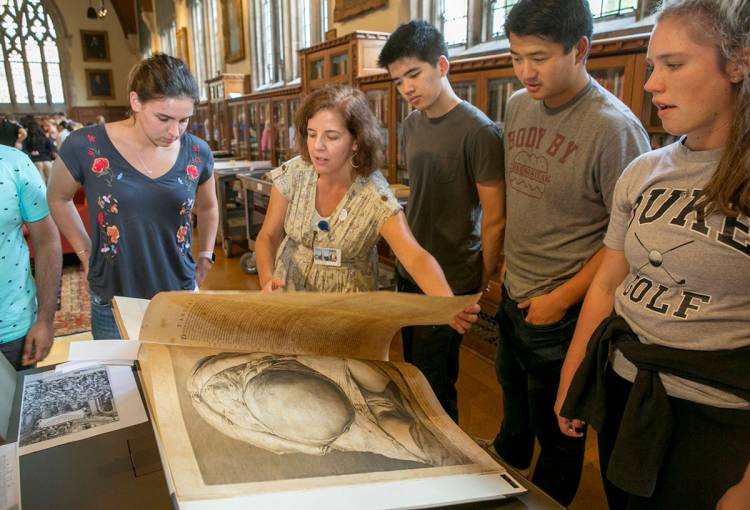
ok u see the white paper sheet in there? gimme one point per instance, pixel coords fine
(10, 480)
(104, 350)
(232, 163)
(72, 366)
(413, 493)
(129, 315)
(59, 408)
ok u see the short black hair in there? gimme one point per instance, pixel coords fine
(416, 39)
(560, 21)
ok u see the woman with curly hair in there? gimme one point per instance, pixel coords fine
(330, 205)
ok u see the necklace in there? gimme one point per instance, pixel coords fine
(138, 155)
(148, 171)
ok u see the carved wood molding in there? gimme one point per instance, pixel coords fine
(359, 34)
(346, 9)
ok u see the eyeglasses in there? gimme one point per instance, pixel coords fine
(323, 226)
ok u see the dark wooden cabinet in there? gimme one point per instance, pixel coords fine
(199, 121)
(380, 98)
(220, 90)
(341, 60)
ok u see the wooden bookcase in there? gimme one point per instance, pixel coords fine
(199, 121)
(341, 60)
(220, 90)
(261, 125)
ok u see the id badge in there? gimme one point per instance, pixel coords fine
(327, 256)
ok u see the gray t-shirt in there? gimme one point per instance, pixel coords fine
(562, 165)
(689, 281)
(447, 156)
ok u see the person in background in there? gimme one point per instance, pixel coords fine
(64, 130)
(454, 155)
(12, 133)
(330, 206)
(27, 303)
(143, 178)
(39, 147)
(49, 126)
(560, 179)
(665, 378)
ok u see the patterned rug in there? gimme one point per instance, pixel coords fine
(74, 311)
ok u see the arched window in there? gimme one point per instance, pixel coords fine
(30, 60)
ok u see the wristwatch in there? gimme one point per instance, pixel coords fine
(211, 256)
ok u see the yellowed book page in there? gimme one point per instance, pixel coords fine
(357, 325)
(254, 423)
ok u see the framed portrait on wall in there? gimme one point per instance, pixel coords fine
(95, 46)
(346, 9)
(234, 33)
(183, 50)
(99, 84)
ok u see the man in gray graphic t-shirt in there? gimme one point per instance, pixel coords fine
(567, 140)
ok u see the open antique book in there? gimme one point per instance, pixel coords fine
(287, 400)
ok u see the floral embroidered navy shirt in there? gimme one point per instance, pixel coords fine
(141, 230)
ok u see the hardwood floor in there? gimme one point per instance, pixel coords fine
(480, 396)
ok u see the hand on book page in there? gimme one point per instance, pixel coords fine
(465, 318)
(274, 284)
(357, 325)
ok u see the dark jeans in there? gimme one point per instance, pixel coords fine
(103, 325)
(13, 352)
(709, 451)
(434, 350)
(528, 363)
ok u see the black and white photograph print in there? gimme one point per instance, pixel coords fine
(296, 417)
(56, 405)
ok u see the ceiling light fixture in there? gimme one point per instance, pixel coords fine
(91, 12)
(94, 13)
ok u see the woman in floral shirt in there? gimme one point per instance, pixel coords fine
(330, 206)
(143, 177)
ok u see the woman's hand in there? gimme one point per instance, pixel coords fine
(83, 256)
(571, 428)
(463, 321)
(274, 284)
(201, 270)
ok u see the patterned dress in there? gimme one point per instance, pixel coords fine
(354, 228)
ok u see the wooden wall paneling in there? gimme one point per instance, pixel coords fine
(468, 79)
(87, 114)
(382, 92)
(505, 77)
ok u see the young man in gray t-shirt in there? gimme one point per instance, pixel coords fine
(456, 204)
(567, 140)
